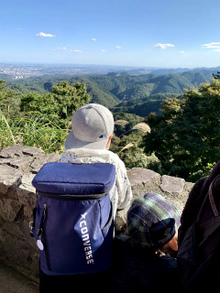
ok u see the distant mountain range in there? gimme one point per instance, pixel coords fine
(134, 90)
(20, 70)
(141, 94)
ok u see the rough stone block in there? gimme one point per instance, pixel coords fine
(8, 177)
(26, 183)
(9, 209)
(20, 151)
(26, 192)
(21, 163)
(40, 161)
(172, 185)
(143, 180)
(15, 242)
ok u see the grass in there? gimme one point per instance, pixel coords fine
(32, 130)
(3, 123)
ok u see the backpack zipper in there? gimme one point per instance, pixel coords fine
(42, 241)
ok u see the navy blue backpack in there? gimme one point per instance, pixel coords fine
(73, 223)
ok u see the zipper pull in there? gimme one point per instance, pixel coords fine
(40, 244)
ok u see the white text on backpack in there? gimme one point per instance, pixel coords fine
(86, 240)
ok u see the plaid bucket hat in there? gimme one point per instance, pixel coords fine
(152, 221)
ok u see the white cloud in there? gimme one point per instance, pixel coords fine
(77, 51)
(45, 35)
(103, 50)
(213, 45)
(93, 39)
(181, 52)
(163, 46)
(118, 47)
(61, 48)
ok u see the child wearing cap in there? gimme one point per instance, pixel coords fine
(89, 142)
(144, 259)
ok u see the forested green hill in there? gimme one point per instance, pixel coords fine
(139, 94)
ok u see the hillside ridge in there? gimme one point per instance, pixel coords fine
(123, 91)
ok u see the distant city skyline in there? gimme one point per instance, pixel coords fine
(138, 33)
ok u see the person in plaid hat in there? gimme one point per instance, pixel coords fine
(144, 259)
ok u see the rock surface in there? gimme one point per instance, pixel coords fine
(18, 166)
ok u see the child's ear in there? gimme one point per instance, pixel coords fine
(109, 141)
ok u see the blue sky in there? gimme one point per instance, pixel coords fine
(156, 33)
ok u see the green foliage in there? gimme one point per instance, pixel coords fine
(129, 130)
(39, 120)
(217, 75)
(124, 122)
(59, 105)
(9, 108)
(185, 137)
(141, 108)
(9, 100)
(6, 134)
(126, 91)
(32, 130)
(129, 150)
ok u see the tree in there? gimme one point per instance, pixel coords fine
(129, 151)
(9, 100)
(60, 104)
(70, 97)
(9, 109)
(186, 136)
(217, 75)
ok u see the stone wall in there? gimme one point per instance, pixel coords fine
(18, 166)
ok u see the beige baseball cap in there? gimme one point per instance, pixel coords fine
(92, 125)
